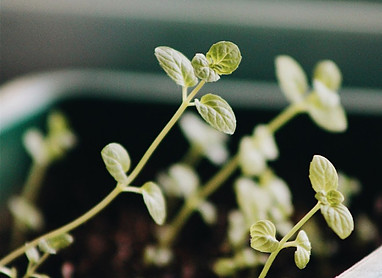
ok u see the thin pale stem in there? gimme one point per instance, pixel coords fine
(286, 115)
(165, 130)
(32, 269)
(296, 227)
(116, 191)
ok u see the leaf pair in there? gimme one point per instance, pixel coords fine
(324, 179)
(222, 58)
(117, 161)
(263, 238)
(323, 103)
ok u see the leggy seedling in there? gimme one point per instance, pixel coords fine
(222, 59)
(324, 180)
(323, 105)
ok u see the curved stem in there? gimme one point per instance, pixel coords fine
(116, 191)
(296, 227)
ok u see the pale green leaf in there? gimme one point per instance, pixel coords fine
(217, 112)
(237, 228)
(208, 212)
(155, 202)
(35, 145)
(334, 197)
(224, 57)
(26, 213)
(329, 74)
(52, 245)
(322, 174)
(251, 159)
(339, 219)
(301, 257)
(253, 200)
(117, 161)
(291, 78)
(177, 66)
(203, 70)
(263, 236)
(265, 141)
(158, 255)
(209, 141)
(32, 254)
(10, 272)
(331, 118)
(225, 267)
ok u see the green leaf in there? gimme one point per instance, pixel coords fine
(339, 219)
(263, 236)
(217, 112)
(117, 161)
(224, 57)
(329, 74)
(251, 159)
(177, 66)
(291, 78)
(322, 174)
(52, 245)
(155, 202)
(203, 70)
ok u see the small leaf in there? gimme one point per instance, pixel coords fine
(322, 174)
(52, 245)
(225, 267)
(39, 275)
(177, 66)
(224, 57)
(32, 254)
(265, 140)
(301, 257)
(251, 159)
(155, 202)
(339, 219)
(26, 213)
(291, 78)
(263, 236)
(117, 161)
(217, 112)
(331, 118)
(329, 74)
(334, 197)
(208, 212)
(10, 272)
(35, 145)
(203, 70)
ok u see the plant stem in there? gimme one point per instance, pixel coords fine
(211, 186)
(296, 227)
(116, 191)
(286, 115)
(216, 181)
(164, 131)
(31, 270)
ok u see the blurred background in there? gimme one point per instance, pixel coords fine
(42, 35)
